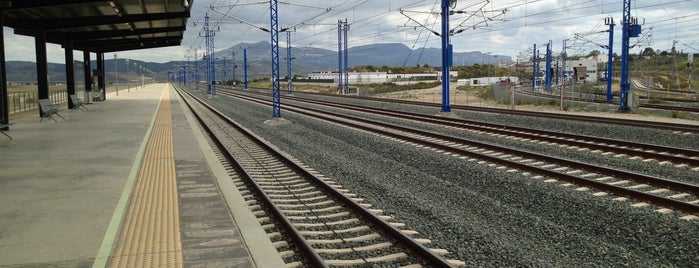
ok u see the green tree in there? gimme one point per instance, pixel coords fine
(648, 51)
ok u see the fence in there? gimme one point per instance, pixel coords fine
(25, 101)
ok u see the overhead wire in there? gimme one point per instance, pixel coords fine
(552, 15)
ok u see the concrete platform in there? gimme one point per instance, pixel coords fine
(61, 185)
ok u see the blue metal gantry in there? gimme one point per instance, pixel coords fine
(447, 53)
(629, 29)
(274, 32)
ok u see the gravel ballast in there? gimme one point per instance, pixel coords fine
(483, 215)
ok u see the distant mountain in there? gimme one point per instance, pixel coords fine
(309, 59)
(306, 60)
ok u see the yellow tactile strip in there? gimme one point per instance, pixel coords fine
(150, 233)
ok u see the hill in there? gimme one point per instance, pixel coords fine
(306, 60)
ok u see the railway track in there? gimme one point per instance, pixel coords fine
(638, 151)
(642, 105)
(324, 222)
(666, 193)
(628, 122)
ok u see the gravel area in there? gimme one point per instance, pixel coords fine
(482, 215)
(636, 166)
(657, 136)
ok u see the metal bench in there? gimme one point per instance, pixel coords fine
(2, 130)
(48, 110)
(77, 103)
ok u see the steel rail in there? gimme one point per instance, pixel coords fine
(550, 136)
(621, 191)
(386, 228)
(309, 253)
(627, 122)
(595, 143)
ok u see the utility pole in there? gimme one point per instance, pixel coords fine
(563, 67)
(288, 62)
(245, 68)
(675, 73)
(339, 57)
(184, 73)
(235, 65)
(346, 60)
(210, 57)
(690, 63)
(548, 66)
(610, 58)
(274, 33)
(535, 61)
(116, 86)
(196, 70)
(128, 88)
(629, 29)
(225, 74)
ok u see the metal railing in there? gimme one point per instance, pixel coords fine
(26, 101)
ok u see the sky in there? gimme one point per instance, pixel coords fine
(499, 27)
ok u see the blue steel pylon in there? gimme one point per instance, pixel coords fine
(610, 65)
(446, 55)
(628, 29)
(548, 67)
(274, 31)
(245, 68)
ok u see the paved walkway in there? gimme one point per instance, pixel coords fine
(61, 185)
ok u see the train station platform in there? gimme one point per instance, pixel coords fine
(130, 182)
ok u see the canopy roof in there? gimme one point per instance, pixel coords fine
(99, 25)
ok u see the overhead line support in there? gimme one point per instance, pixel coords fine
(274, 33)
(339, 57)
(447, 55)
(610, 65)
(346, 57)
(549, 72)
(629, 29)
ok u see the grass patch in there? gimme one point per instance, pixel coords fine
(391, 87)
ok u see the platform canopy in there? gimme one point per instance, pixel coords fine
(101, 26)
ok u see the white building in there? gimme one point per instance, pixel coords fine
(379, 77)
(585, 70)
(486, 81)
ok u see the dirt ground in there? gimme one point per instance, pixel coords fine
(463, 98)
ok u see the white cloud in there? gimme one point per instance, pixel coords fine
(527, 22)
